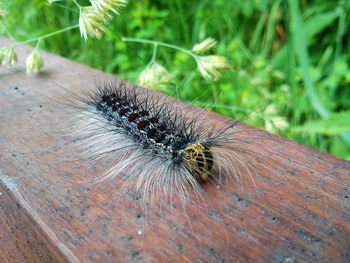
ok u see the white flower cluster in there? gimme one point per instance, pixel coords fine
(34, 61)
(92, 17)
(212, 64)
(8, 55)
(155, 77)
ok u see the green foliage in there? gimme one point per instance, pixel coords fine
(336, 124)
(288, 61)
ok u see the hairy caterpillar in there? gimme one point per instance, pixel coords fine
(152, 146)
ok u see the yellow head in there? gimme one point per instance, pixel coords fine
(200, 160)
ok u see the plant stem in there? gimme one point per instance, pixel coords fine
(46, 36)
(63, 6)
(7, 28)
(154, 54)
(76, 3)
(146, 41)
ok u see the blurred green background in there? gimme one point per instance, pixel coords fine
(290, 59)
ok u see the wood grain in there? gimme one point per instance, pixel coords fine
(297, 209)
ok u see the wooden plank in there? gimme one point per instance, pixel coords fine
(21, 238)
(298, 210)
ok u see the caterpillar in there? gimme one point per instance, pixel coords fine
(151, 145)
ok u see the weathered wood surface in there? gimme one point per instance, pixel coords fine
(297, 211)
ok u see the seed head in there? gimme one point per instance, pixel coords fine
(8, 55)
(2, 55)
(204, 46)
(2, 13)
(276, 123)
(90, 22)
(211, 65)
(271, 110)
(103, 6)
(34, 62)
(155, 77)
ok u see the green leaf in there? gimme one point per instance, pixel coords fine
(337, 123)
(319, 23)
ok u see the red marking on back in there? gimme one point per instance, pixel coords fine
(144, 113)
(123, 111)
(133, 116)
(142, 124)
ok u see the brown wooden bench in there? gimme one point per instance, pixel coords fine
(298, 210)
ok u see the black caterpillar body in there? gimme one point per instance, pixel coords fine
(155, 143)
(149, 128)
